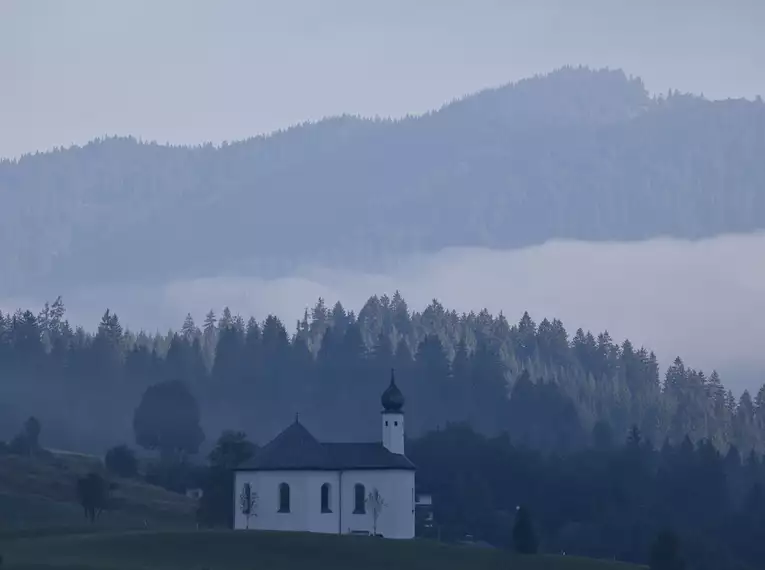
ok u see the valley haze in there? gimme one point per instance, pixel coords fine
(700, 299)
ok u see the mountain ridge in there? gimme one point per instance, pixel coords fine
(574, 154)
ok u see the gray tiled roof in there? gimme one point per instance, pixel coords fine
(296, 449)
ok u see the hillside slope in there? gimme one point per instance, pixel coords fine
(575, 154)
(39, 493)
(225, 550)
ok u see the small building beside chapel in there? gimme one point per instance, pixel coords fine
(296, 483)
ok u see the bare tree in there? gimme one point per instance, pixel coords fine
(248, 503)
(376, 504)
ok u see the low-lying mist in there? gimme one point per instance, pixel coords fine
(702, 300)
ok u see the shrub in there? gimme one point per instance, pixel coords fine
(665, 552)
(121, 461)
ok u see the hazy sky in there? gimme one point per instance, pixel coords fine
(193, 70)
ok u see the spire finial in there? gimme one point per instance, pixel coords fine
(392, 399)
(297, 417)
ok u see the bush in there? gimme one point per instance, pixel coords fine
(665, 552)
(121, 461)
(19, 445)
(27, 441)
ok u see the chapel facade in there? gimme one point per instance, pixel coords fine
(296, 483)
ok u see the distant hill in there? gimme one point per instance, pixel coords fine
(227, 550)
(577, 153)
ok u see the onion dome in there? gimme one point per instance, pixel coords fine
(392, 399)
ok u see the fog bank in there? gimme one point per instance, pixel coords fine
(701, 300)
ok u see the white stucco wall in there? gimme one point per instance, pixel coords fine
(396, 519)
(305, 501)
(393, 432)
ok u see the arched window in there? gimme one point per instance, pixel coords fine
(325, 498)
(284, 498)
(359, 502)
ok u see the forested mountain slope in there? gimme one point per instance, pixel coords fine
(575, 154)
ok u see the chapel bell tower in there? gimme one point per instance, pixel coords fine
(393, 417)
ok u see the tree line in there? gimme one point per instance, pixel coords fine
(548, 390)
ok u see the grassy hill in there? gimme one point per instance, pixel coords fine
(40, 493)
(226, 550)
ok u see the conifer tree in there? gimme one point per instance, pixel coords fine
(524, 536)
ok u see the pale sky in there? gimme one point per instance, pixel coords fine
(190, 71)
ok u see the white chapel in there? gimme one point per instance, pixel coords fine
(296, 483)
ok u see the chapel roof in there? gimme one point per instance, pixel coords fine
(296, 449)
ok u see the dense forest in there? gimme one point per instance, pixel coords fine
(613, 499)
(577, 153)
(549, 390)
